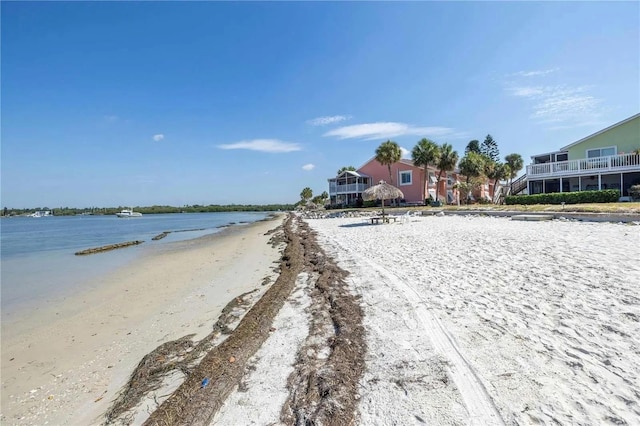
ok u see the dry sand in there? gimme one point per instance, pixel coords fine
(65, 364)
(468, 321)
(477, 320)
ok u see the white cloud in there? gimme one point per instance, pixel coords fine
(405, 152)
(557, 104)
(111, 118)
(263, 145)
(526, 91)
(308, 167)
(158, 137)
(330, 119)
(385, 130)
(534, 73)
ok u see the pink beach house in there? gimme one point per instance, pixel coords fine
(347, 188)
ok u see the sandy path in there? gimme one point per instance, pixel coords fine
(65, 364)
(479, 406)
(547, 315)
(263, 391)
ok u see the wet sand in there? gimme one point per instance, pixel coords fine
(64, 364)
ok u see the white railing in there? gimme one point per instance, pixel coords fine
(613, 163)
(349, 188)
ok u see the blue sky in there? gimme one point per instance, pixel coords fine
(119, 103)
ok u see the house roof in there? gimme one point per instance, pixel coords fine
(350, 172)
(405, 161)
(549, 153)
(633, 117)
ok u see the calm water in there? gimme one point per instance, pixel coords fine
(38, 261)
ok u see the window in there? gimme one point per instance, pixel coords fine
(601, 152)
(405, 177)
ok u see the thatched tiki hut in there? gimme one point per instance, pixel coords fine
(382, 191)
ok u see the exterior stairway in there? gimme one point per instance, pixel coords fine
(503, 191)
(519, 185)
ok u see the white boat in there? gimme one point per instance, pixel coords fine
(41, 213)
(128, 213)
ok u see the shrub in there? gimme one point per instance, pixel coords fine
(605, 196)
(634, 192)
(371, 203)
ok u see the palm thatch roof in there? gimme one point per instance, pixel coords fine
(382, 191)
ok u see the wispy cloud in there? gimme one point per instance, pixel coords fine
(263, 145)
(535, 73)
(158, 137)
(111, 118)
(559, 104)
(384, 130)
(526, 91)
(308, 167)
(329, 119)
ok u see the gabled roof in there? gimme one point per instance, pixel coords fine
(562, 151)
(408, 162)
(633, 117)
(351, 173)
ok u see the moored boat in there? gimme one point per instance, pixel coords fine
(128, 213)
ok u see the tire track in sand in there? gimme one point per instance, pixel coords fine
(482, 411)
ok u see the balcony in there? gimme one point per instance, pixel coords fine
(588, 166)
(347, 189)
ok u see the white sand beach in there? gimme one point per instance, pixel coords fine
(65, 364)
(466, 320)
(480, 320)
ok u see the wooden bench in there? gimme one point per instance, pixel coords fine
(384, 219)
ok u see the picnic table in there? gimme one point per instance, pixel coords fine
(384, 218)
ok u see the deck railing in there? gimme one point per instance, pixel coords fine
(349, 188)
(612, 163)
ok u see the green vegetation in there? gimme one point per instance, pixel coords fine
(424, 153)
(320, 200)
(346, 169)
(634, 192)
(514, 163)
(387, 154)
(306, 194)
(604, 196)
(473, 146)
(617, 208)
(446, 162)
(489, 149)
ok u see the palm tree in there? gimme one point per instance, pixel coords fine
(446, 162)
(497, 172)
(306, 194)
(387, 154)
(515, 163)
(424, 153)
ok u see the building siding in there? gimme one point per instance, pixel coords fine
(412, 193)
(625, 137)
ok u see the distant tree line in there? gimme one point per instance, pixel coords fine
(196, 208)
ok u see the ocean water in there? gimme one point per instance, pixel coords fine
(38, 263)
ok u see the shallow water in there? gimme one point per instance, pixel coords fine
(38, 261)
